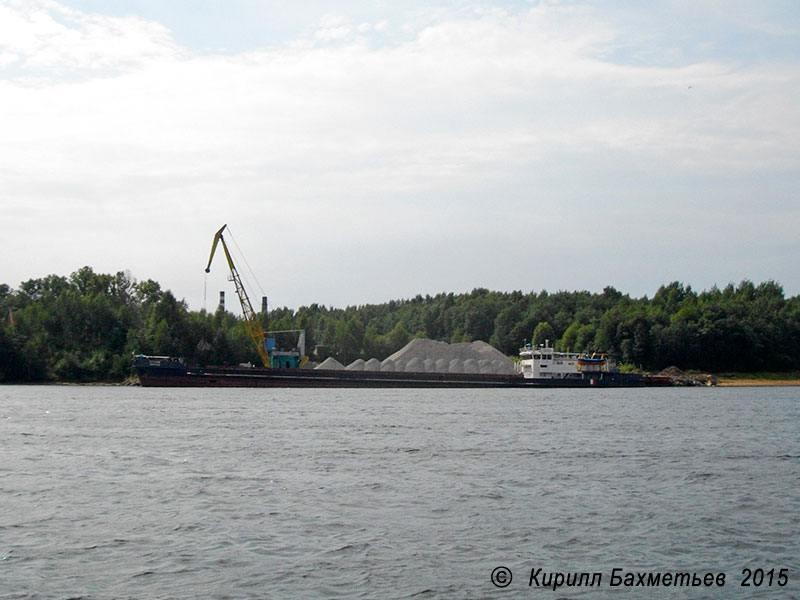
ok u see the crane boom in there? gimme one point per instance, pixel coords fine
(254, 327)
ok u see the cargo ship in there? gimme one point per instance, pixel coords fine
(538, 367)
(165, 371)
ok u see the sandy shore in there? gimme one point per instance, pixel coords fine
(756, 382)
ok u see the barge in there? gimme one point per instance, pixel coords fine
(164, 371)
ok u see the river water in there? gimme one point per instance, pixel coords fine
(113, 492)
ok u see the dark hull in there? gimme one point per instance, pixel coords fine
(151, 376)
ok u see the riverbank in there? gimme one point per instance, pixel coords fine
(762, 379)
(736, 382)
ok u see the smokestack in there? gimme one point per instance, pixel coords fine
(222, 300)
(264, 304)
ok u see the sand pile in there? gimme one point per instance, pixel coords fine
(430, 356)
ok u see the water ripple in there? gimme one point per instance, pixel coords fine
(132, 493)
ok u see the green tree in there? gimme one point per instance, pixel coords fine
(543, 333)
(397, 338)
(349, 340)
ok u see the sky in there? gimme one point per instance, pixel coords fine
(362, 152)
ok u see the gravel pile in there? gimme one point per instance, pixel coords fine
(330, 363)
(440, 357)
(430, 356)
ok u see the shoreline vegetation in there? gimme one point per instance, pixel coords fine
(86, 328)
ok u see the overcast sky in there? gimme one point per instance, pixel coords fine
(367, 151)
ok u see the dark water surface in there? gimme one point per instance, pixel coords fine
(146, 493)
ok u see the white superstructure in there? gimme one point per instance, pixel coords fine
(544, 362)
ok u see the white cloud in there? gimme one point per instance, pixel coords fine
(463, 92)
(43, 34)
(340, 136)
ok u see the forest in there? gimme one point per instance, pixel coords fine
(86, 327)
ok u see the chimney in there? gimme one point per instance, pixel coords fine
(221, 300)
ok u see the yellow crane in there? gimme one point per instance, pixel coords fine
(254, 327)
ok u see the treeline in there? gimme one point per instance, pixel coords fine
(87, 326)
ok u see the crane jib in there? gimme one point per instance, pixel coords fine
(254, 328)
